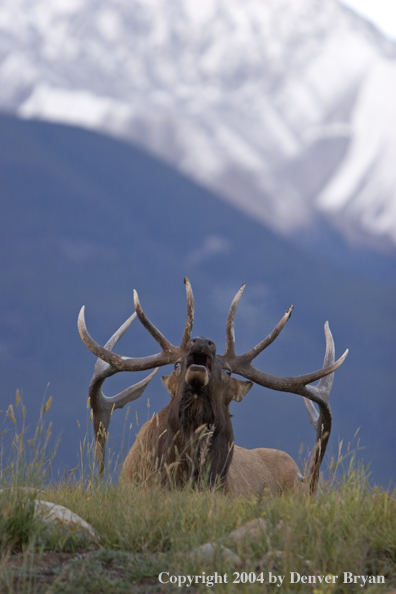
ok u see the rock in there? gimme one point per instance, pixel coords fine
(63, 518)
(214, 552)
(60, 527)
(272, 561)
(253, 530)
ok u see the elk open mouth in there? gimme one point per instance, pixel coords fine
(198, 370)
(200, 359)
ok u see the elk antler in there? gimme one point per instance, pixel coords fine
(169, 354)
(102, 406)
(297, 385)
(109, 363)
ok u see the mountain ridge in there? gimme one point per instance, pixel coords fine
(286, 112)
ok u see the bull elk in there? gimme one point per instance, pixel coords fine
(191, 439)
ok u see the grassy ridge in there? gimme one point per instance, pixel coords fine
(349, 526)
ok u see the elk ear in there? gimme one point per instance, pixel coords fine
(170, 384)
(239, 389)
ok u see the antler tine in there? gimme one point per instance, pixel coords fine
(322, 420)
(155, 333)
(119, 362)
(190, 314)
(103, 369)
(110, 344)
(102, 406)
(296, 385)
(169, 353)
(323, 389)
(230, 330)
(255, 351)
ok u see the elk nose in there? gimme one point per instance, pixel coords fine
(202, 343)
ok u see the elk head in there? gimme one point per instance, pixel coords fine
(202, 388)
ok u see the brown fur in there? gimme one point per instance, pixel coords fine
(262, 470)
(191, 440)
(258, 471)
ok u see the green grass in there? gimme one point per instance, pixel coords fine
(349, 526)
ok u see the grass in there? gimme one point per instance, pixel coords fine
(349, 526)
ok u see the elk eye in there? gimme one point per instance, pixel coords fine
(227, 371)
(177, 365)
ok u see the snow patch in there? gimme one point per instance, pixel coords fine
(109, 24)
(369, 167)
(80, 108)
(333, 130)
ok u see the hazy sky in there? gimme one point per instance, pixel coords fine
(381, 12)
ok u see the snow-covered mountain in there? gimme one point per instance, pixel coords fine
(285, 108)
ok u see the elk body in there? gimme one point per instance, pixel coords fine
(191, 440)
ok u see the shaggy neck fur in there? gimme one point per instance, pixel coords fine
(199, 438)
